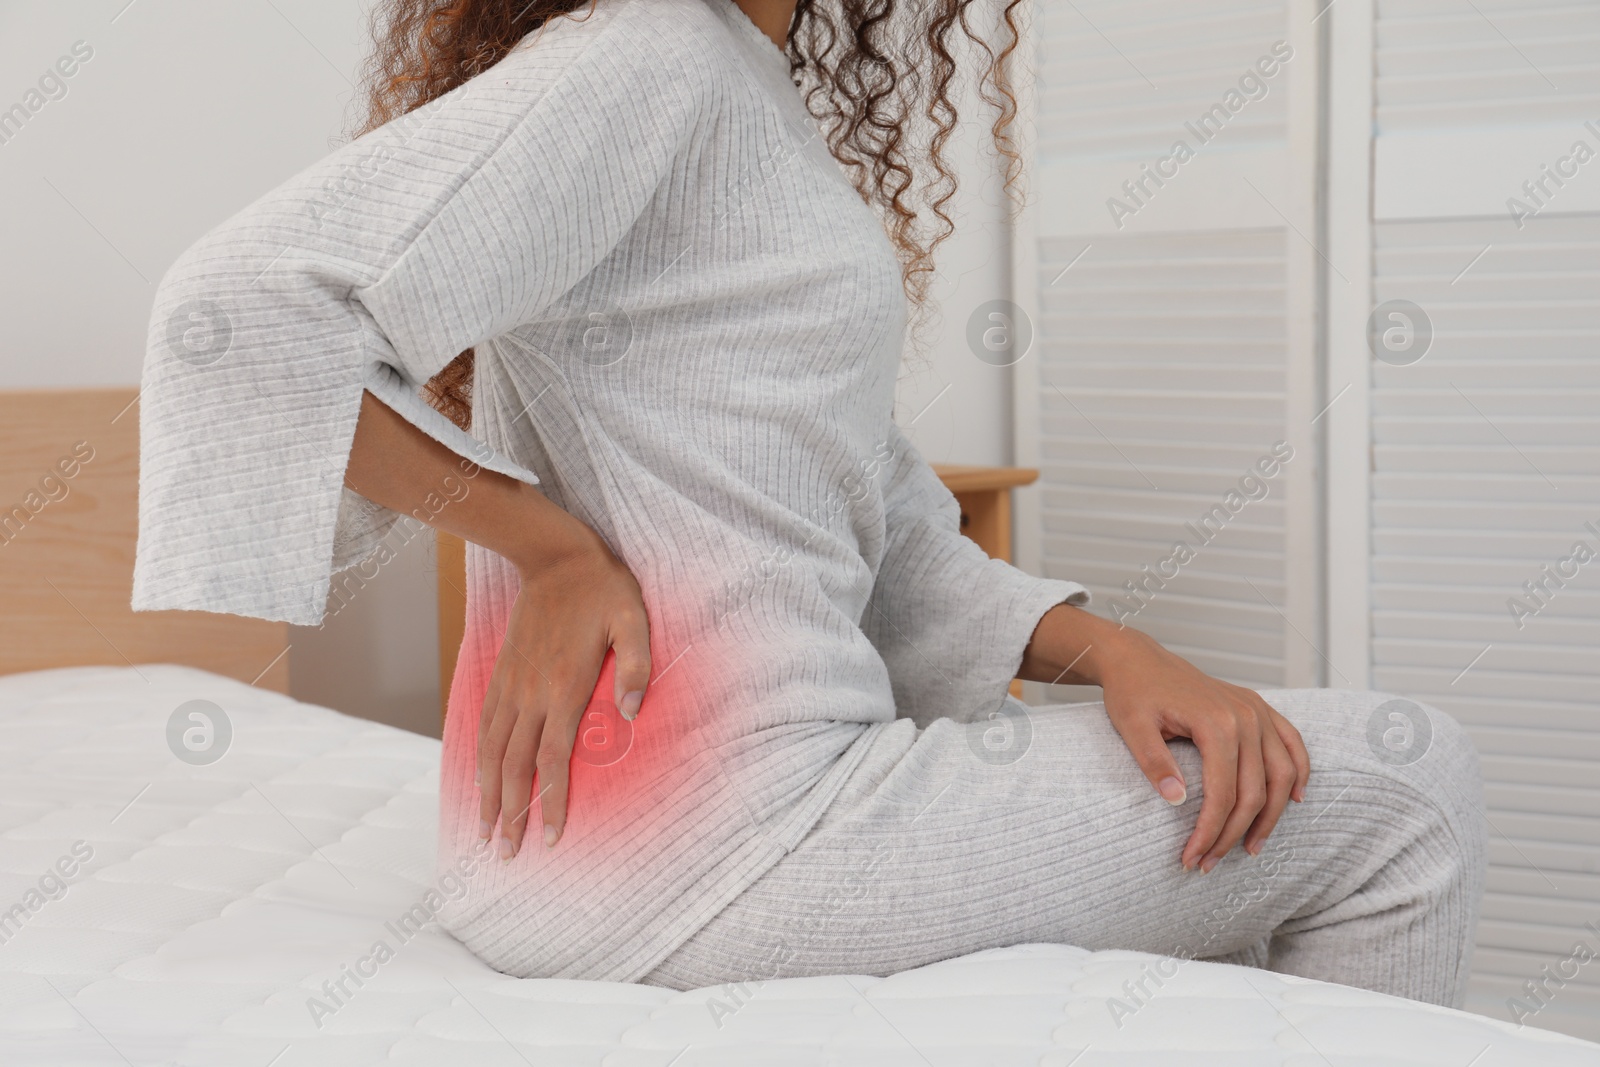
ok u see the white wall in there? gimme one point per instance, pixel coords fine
(186, 112)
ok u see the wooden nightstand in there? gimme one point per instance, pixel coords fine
(983, 493)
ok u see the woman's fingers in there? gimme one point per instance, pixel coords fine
(491, 757)
(554, 763)
(1295, 746)
(527, 737)
(1252, 759)
(1281, 777)
(1218, 742)
(1250, 790)
(516, 786)
(630, 641)
(1150, 751)
(553, 760)
(574, 604)
(540, 752)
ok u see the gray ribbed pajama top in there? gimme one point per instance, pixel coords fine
(688, 328)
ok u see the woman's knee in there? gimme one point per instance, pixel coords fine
(1370, 730)
(1391, 741)
(1416, 741)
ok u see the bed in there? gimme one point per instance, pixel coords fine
(214, 910)
(196, 869)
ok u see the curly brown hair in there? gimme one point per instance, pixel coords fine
(869, 74)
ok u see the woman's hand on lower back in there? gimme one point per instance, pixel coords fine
(1253, 760)
(577, 602)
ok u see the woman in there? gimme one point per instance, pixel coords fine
(698, 536)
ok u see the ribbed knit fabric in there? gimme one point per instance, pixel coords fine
(928, 853)
(688, 329)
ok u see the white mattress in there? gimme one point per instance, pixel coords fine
(220, 898)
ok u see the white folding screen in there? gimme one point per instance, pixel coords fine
(1419, 180)
(1484, 471)
(1167, 262)
(1162, 382)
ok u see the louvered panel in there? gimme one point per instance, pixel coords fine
(1510, 908)
(1466, 601)
(1580, 631)
(1162, 383)
(1448, 64)
(1553, 861)
(1531, 715)
(1120, 79)
(1523, 882)
(1421, 456)
(1513, 689)
(1486, 468)
(1432, 548)
(1572, 807)
(1554, 663)
(1542, 799)
(1077, 522)
(1468, 514)
(1163, 369)
(1574, 1011)
(1519, 942)
(1546, 769)
(1432, 556)
(1494, 488)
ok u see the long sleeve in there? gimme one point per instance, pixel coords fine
(371, 270)
(950, 622)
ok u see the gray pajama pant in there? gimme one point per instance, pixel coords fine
(1039, 827)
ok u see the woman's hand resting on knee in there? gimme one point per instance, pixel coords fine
(1253, 760)
(577, 601)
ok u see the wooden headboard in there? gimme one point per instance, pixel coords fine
(69, 490)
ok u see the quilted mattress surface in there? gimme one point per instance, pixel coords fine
(162, 904)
